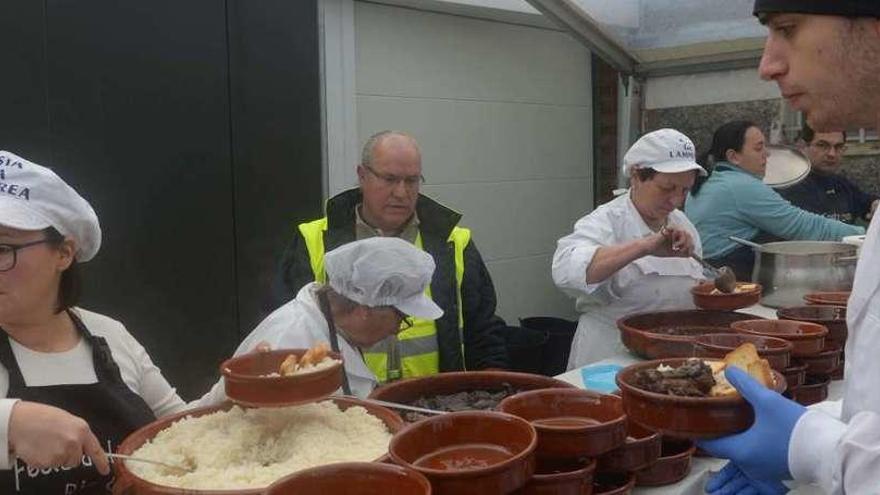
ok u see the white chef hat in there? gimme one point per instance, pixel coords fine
(32, 197)
(664, 150)
(383, 271)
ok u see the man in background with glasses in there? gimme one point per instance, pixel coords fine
(387, 203)
(825, 191)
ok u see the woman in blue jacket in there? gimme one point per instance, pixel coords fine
(733, 201)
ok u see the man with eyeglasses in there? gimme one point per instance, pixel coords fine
(825, 191)
(387, 203)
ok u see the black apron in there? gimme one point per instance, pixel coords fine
(324, 303)
(110, 408)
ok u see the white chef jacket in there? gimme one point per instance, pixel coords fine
(300, 324)
(843, 456)
(650, 283)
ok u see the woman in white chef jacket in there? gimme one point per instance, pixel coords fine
(632, 254)
(373, 285)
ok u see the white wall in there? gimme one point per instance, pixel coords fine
(503, 115)
(707, 88)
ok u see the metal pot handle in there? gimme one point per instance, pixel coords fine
(753, 245)
(846, 260)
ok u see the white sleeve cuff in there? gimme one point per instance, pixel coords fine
(6, 406)
(815, 437)
(570, 269)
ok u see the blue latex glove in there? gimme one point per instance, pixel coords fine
(761, 452)
(732, 481)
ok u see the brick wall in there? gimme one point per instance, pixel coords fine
(607, 163)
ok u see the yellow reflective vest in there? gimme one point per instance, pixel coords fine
(418, 347)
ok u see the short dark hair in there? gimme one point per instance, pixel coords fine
(70, 287)
(808, 134)
(645, 173)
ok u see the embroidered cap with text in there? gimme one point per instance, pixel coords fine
(33, 197)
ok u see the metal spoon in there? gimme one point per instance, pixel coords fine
(403, 407)
(173, 467)
(725, 279)
(753, 245)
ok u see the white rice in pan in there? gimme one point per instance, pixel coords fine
(251, 448)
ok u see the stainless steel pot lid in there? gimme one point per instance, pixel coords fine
(786, 166)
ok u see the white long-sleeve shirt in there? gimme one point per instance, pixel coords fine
(843, 456)
(299, 324)
(76, 367)
(649, 283)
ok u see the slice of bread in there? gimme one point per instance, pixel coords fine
(744, 357)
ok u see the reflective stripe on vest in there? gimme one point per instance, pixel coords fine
(418, 347)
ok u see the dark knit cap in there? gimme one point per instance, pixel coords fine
(846, 8)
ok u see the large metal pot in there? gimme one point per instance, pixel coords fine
(788, 270)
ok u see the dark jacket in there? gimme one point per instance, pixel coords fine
(833, 196)
(484, 345)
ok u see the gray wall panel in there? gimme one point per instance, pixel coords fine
(423, 54)
(486, 141)
(504, 118)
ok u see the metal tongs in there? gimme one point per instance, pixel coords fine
(724, 278)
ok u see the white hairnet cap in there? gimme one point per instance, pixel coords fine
(383, 271)
(32, 197)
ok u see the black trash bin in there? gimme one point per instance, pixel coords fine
(525, 347)
(560, 333)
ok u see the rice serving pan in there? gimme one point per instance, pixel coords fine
(128, 483)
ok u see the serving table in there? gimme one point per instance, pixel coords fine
(703, 467)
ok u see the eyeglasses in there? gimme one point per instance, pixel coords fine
(9, 253)
(391, 180)
(825, 147)
(406, 322)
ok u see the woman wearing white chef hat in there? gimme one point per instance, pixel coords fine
(73, 383)
(373, 285)
(632, 254)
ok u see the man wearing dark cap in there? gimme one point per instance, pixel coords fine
(825, 57)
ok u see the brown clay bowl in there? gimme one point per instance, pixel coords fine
(828, 298)
(247, 382)
(353, 478)
(613, 483)
(561, 477)
(673, 465)
(685, 417)
(807, 338)
(139, 486)
(837, 374)
(469, 452)
(705, 299)
(776, 351)
(667, 334)
(822, 363)
(795, 375)
(408, 391)
(571, 423)
(814, 389)
(641, 449)
(832, 317)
